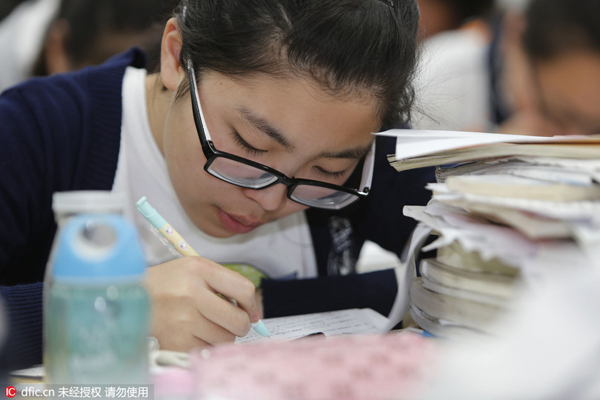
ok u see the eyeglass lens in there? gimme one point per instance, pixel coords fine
(317, 196)
(240, 174)
(250, 177)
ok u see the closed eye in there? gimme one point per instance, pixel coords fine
(246, 146)
(331, 175)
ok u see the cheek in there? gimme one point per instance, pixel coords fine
(183, 153)
(290, 207)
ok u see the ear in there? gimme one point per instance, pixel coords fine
(57, 59)
(170, 69)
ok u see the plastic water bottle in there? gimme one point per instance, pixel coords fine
(67, 205)
(98, 313)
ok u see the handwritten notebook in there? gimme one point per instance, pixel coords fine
(343, 367)
(352, 321)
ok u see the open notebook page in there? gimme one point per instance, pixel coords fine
(332, 323)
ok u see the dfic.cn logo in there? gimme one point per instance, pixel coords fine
(10, 391)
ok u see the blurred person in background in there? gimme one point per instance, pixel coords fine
(561, 47)
(445, 15)
(455, 76)
(539, 75)
(44, 37)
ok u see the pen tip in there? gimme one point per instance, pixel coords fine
(261, 329)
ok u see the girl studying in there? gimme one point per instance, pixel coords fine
(254, 140)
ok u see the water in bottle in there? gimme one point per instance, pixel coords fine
(98, 313)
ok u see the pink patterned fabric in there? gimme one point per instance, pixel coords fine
(350, 367)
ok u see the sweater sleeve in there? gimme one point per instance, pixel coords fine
(24, 309)
(376, 290)
(29, 150)
(21, 202)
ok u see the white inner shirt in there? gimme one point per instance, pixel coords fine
(281, 249)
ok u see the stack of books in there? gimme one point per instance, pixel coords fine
(508, 211)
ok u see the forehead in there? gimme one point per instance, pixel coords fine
(298, 107)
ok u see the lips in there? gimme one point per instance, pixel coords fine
(236, 224)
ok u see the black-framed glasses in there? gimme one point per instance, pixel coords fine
(248, 174)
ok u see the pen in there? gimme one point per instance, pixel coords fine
(179, 243)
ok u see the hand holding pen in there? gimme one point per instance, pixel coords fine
(187, 312)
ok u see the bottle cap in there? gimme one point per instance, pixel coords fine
(68, 204)
(98, 246)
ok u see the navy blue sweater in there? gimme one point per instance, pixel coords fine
(63, 133)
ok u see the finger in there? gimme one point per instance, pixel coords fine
(212, 333)
(222, 313)
(182, 341)
(234, 286)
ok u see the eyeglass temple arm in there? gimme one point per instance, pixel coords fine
(194, 89)
(367, 175)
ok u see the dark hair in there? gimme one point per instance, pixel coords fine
(347, 46)
(88, 20)
(555, 27)
(465, 10)
(7, 6)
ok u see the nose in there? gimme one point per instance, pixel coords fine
(270, 199)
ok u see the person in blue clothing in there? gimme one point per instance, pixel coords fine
(254, 141)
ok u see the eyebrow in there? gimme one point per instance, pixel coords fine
(264, 126)
(355, 153)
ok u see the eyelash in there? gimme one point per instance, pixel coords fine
(256, 152)
(249, 149)
(332, 175)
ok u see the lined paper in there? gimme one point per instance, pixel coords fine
(344, 322)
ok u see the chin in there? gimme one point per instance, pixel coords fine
(216, 231)
(221, 234)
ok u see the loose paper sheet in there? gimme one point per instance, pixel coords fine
(406, 275)
(412, 143)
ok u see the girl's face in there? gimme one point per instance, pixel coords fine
(290, 124)
(569, 91)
